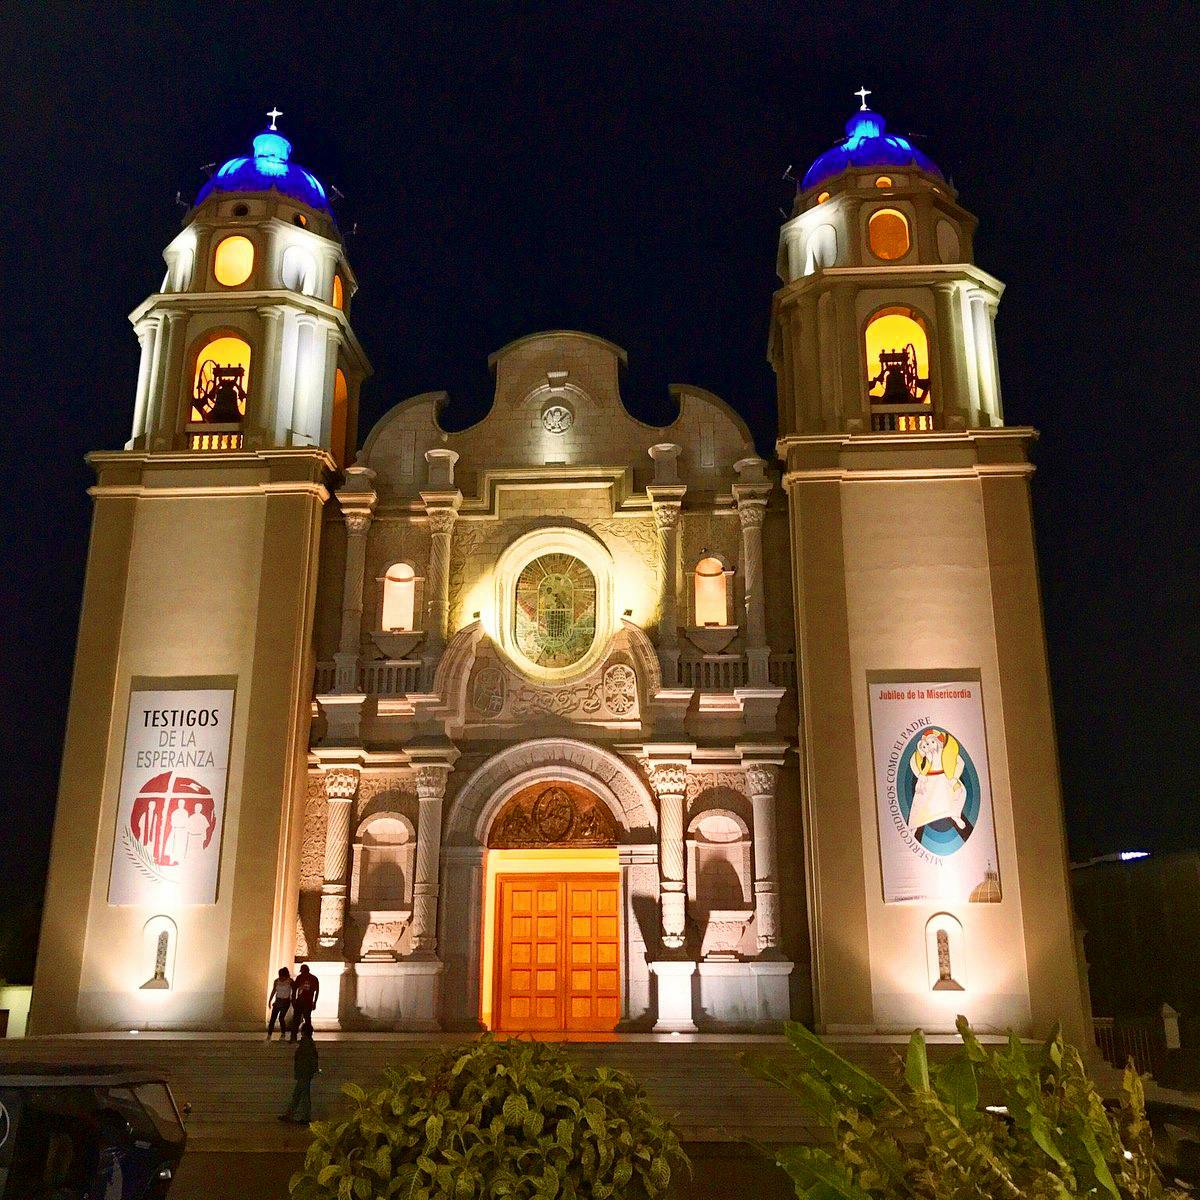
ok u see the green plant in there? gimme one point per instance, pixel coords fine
(1005, 1123)
(500, 1118)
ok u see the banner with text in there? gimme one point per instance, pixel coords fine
(937, 839)
(172, 802)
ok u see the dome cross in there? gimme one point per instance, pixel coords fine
(275, 114)
(862, 94)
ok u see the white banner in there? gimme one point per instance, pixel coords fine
(167, 848)
(937, 838)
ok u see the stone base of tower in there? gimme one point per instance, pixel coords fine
(914, 566)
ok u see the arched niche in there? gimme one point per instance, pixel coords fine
(384, 854)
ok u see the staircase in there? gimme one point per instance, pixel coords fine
(236, 1084)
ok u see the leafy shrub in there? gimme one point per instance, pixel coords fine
(1009, 1123)
(495, 1119)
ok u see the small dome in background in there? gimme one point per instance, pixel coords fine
(867, 144)
(268, 168)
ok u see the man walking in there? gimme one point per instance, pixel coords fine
(304, 999)
(305, 1067)
(280, 1001)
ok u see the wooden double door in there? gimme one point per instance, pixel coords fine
(558, 953)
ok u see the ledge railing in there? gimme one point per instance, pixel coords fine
(706, 673)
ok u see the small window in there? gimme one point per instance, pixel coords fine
(299, 270)
(399, 586)
(341, 396)
(234, 261)
(241, 210)
(887, 234)
(711, 607)
(822, 197)
(884, 181)
(339, 292)
(300, 219)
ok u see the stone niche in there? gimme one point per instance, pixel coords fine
(719, 883)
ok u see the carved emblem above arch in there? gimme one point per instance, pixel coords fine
(554, 814)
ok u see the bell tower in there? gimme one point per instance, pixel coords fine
(248, 343)
(175, 859)
(935, 853)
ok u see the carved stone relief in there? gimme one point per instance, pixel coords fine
(554, 814)
(495, 693)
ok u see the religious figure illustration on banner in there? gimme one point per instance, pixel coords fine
(167, 843)
(936, 835)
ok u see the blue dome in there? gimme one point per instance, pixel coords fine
(266, 169)
(867, 144)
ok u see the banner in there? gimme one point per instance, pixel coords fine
(167, 848)
(937, 838)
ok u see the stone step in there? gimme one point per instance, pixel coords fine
(236, 1085)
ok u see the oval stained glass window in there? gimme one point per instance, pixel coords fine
(554, 620)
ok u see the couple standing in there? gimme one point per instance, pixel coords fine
(300, 995)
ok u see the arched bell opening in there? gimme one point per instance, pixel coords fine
(551, 954)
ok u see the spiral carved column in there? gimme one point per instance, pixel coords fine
(437, 604)
(431, 789)
(666, 523)
(340, 789)
(669, 781)
(760, 782)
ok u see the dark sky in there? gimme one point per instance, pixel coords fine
(617, 168)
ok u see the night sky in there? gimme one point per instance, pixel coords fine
(617, 168)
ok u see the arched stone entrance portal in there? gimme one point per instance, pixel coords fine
(551, 953)
(494, 828)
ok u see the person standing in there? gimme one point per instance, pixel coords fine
(305, 1067)
(304, 999)
(280, 1001)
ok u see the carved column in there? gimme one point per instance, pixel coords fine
(960, 387)
(431, 789)
(666, 498)
(357, 499)
(760, 782)
(751, 492)
(666, 523)
(340, 789)
(441, 504)
(985, 364)
(669, 781)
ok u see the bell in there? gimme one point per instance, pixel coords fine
(225, 402)
(895, 389)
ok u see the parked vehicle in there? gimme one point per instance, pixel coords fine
(82, 1132)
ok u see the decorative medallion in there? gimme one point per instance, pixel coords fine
(558, 814)
(620, 689)
(557, 418)
(554, 814)
(488, 691)
(555, 611)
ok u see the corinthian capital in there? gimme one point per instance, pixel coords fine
(340, 785)
(751, 512)
(357, 521)
(668, 779)
(760, 781)
(666, 515)
(441, 520)
(430, 779)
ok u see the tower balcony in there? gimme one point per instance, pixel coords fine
(900, 418)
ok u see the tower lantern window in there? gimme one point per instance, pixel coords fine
(887, 234)
(233, 261)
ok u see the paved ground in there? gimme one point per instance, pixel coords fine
(720, 1171)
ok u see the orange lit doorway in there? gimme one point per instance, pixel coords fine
(558, 953)
(551, 949)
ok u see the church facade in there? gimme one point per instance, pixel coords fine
(564, 723)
